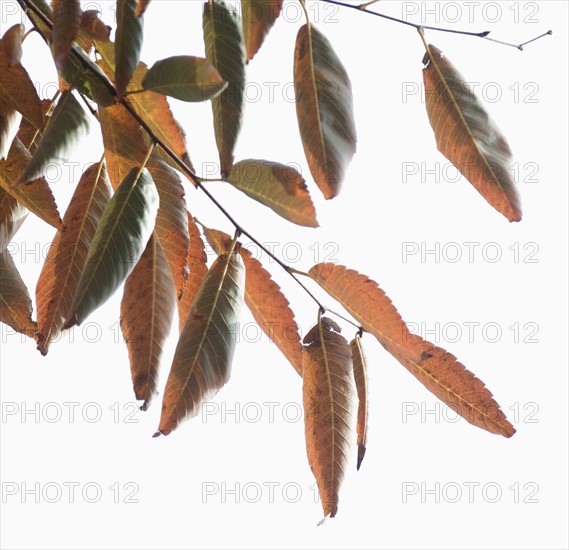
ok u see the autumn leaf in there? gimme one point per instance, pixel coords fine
(68, 253)
(93, 27)
(147, 309)
(225, 49)
(141, 7)
(203, 356)
(467, 136)
(10, 120)
(36, 195)
(128, 44)
(66, 22)
(15, 302)
(278, 186)
(12, 215)
(11, 44)
(327, 391)
(120, 239)
(450, 381)
(360, 377)
(324, 109)
(184, 77)
(258, 17)
(369, 305)
(197, 268)
(65, 127)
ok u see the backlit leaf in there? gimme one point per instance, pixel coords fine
(147, 310)
(278, 186)
(93, 27)
(327, 394)
(225, 49)
(11, 44)
(258, 17)
(66, 126)
(360, 377)
(203, 356)
(10, 120)
(128, 43)
(120, 239)
(184, 77)
(467, 136)
(68, 253)
(442, 374)
(12, 215)
(369, 305)
(324, 109)
(66, 21)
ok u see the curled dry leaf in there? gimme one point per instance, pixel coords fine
(94, 27)
(360, 377)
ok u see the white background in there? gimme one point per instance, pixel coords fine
(403, 495)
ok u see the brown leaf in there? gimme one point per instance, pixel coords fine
(141, 7)
(68, 254)
(10, 121)
(12, 215)
(67, 16)
(450, 381)
(197, 267)
(369, 305)
(146, 317)
(93, 27)
(327, 398)
(11, 44)
(360, 377)
(467, 136)
(258, 17)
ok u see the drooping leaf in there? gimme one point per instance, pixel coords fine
(36, 195)
(203, 356)
(141, 7)
(258, 17)
(197, 269)
(263, 296)
(120, 239)
(128, 43)
(66, 21)
(12, 215)
(225, 49)
(15, 302)
(360, 377)
(467, 136)
(324, 109)
(10, 120)
(450, 381)
(369, 305)
(93, 27)
(327, 394)
(147, 310)
(28, 134)
(11, 44)
(68, 253)
(278, 186)
(66, 126)
(184, 77)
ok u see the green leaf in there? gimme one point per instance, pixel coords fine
(277, 186)
(258, 18)
(67, 125)
(324, 109)
(121, 237)
(184, 77)
(203, 356)
(128, 43)
(225, 48)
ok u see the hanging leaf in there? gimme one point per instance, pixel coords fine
(93, 27)
(11, 44)
(68, 253)
(15, 302)
(147, 310)
(120, 239)
(278, 186)
(442, 374)
(12, 215)
(36, 195)
(369, 305)
(66, 126)
(324, 109)
(141, 7)
(225, 48)
(203, 356)
(258, 18)
(360, 377)
(66, 21)
(128, 44)
(10, 121)
(184, 77)
(467, 136)
(327, 391)
(197, 267)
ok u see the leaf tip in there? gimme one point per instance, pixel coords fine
(361, 454)
(157, 433)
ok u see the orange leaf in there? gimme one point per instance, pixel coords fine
(147, 310)
(68, 253)
(467, 136)
(11, 44)
(360, 377)
(327, 398)
(66, 21)
(369, 305)
(258, 17)
(141, 7)
(450, 381)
